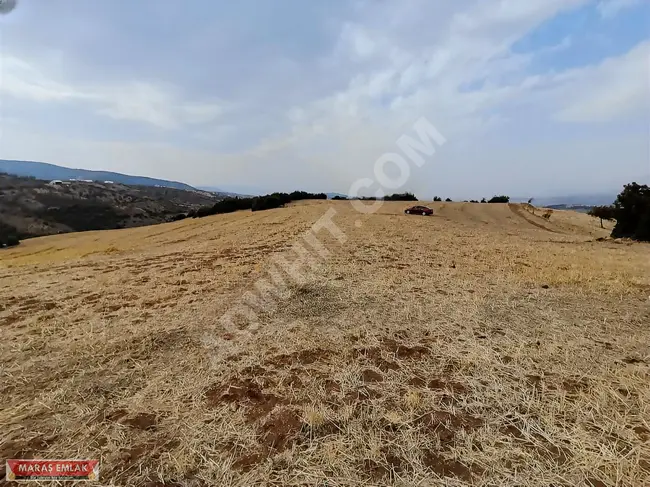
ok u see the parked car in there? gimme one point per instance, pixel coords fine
(419, 210)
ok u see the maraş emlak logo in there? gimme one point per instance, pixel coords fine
(7, 6)
(71, 470)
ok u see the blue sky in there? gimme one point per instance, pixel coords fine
(542, 97)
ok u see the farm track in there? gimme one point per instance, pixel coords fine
(519, 211)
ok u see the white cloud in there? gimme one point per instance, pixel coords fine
(357, 40)
(145, 102)
(137, 101)
(615, 89)
(21, 79)
(610, 8)
(323, 122)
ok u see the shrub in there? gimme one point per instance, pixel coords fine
(303, 195)
(85, 215)
(448, 200)
(437, 198)
(268, 202)
(6, 231)
(12, 241)
(401, 197)
(603, 212)
(483, 200)
(632, 213)
(203, 211)
(180, 216)
(474, 201)
(228, 205)
(499, 199)
(337, 197)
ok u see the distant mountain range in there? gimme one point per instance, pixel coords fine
(42, 170)
(240, 191)
(594, 199)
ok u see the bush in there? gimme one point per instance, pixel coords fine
(7, 230)
(448, 200)
(303, 195)
(228, 205)
(11, 241)
(268, 202)
(401, 197)
(632, 213)
(85, 215)
(437, 198)
(337, 197)
(499, 199)
(483, 200)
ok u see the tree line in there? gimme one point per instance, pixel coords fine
(257, 203)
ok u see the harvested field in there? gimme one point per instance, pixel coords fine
(481, 346)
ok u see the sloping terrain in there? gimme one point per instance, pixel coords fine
(48, 172)
(481, 346)
(34, 208)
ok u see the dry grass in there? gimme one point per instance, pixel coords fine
(482, 346)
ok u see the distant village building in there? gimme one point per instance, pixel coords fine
(55, 182)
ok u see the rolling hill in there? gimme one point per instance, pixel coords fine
(32, 207)
(484, 345)
(42, 170)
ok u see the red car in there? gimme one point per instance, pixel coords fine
(419, 210)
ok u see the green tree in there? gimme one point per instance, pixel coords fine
(603, 212)
(500, 199)
(632, 212)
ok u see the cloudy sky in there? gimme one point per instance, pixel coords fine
(534, 97)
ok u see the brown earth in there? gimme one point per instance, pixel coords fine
(481, 346)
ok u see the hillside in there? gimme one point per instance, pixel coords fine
(480, 346)
(34, 208)
(42, 170)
